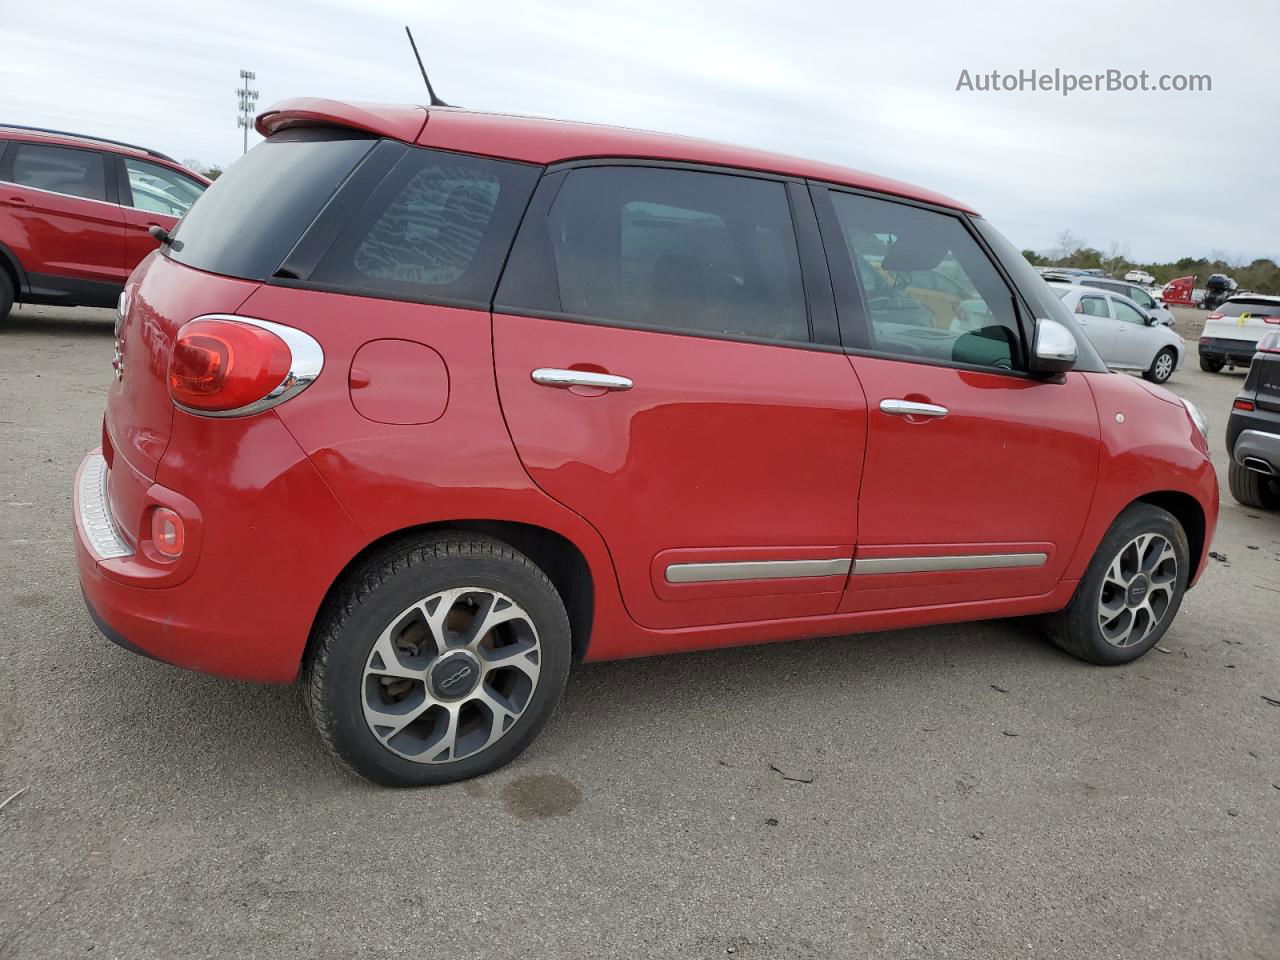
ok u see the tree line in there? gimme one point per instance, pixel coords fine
(1261, 275)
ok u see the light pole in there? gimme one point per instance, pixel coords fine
(248, 104)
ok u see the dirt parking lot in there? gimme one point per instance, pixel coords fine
(975, 793)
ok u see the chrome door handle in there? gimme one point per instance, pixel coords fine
(909, 408)
(552, 377)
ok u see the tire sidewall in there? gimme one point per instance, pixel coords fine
(350, 646)
(1153, 374)
(1083, 618)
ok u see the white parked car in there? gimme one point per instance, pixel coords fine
(1125, 337)
(1232, 331)
(1140, 276)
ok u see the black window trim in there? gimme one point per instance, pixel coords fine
(10, 154)
(854, 327)
(347, 200)
(815, 279)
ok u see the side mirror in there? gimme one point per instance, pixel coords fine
(1054, 348)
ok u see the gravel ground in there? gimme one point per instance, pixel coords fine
(975, 792)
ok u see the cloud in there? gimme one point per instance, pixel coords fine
(870, 86)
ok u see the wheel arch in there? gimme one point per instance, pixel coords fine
(556, 555)
(12, 266)
(1190, 515)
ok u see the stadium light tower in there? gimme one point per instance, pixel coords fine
(248, 104)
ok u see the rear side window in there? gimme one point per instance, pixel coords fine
(697, 252)
(1093, 307)
(437, 228)
(928, 289)
(252, 215)
(76, 173)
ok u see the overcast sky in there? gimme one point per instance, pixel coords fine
(867, 85)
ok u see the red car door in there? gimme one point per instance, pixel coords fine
(978, 476)
(153, 195)
(658, 375)
(61, 220)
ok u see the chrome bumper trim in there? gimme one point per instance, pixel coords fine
(95, 512)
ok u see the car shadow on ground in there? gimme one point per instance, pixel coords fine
(40, 320)
(183, 728)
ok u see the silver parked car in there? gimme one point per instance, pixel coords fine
(1127, 338)
(1144, 300)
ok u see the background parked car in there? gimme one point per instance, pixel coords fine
(1140, 276)
(1253, 431)
(1216, 291)
(1126, 338)
(1231, 333)
(75, 211)
(1141, 298)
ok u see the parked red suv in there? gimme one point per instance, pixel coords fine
(428, 404)
(74, 214)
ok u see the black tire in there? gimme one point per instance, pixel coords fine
(382, 591)
(1253, 489)
(1210, 366)
(6, 295)
(1151, 373)
(1076, 629)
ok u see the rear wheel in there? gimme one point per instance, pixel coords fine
(1161, 368)
(439, 661)
(1130, 592)
(1210, 366)
(6, 295)
(1252, 488)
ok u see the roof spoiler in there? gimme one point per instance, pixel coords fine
(387, 120)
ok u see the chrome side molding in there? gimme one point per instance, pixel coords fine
(755, 570)
(980, 561)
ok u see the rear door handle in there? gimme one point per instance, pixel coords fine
(909, 408)
(553, 377)
(17, 201)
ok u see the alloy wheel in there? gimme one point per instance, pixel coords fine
(1138, 590)
(451, 675)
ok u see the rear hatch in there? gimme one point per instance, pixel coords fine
(1263, 380)
(1244, 318)
(235, 237)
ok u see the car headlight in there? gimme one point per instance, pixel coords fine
(1197, 418)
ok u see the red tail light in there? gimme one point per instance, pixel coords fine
(168, 532)
(1271, 319)
(1214, 316)
(1243, 405)
(235, 366)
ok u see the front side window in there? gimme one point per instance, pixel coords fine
(929, 290)
(157, 189)
(76, 173)
(699, 252)
(438, 228)
(1128, 314)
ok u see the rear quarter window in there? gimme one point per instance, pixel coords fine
(249, 219)
(437, 229)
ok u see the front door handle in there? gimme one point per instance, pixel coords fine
(553, 377)
(909, 408)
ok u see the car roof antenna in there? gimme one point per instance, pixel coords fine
(435, 101)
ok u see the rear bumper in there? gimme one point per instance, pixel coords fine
(1259, 450)
(1239, 352)
(242, 599)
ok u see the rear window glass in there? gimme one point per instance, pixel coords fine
(249, 219)
(436, 229)
(1255, 308)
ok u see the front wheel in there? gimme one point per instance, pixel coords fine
(1130, 592)
(439, 661)
(6, 294)
(1161, 368)
(1210, 366)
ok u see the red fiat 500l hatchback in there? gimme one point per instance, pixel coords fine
(429, 404)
